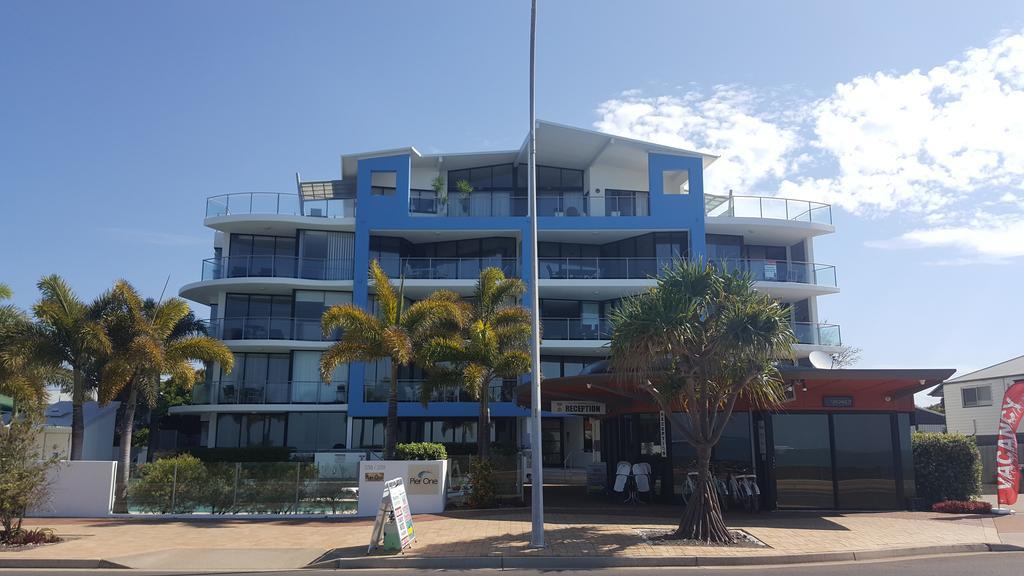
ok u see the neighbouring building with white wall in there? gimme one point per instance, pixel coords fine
(972, 401)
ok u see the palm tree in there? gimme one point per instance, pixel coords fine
(149, 340)
(70, 332)
(24, 371)
(696, 342)
(491, 342)
(393, 333)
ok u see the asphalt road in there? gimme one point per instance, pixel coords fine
(985, 564)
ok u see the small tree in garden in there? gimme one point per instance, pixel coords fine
(395, 333)
(697, 342)
(491, 340)
(23, 473)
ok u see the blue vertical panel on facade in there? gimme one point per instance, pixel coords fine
(686, 210)
(371, 209)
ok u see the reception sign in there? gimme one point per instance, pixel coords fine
(1007, 467)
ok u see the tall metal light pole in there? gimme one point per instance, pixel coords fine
(536, 464)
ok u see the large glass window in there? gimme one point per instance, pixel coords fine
(256, 379)
(975, 396)
(242, 430)
(309, 431)
(250, 255)
(250, 316)
(803, 461)
(865, 462)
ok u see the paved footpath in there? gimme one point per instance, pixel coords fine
(239, 544)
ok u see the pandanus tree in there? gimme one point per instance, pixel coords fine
(149, 340)
(696, 343)
(491, 340)
(392, 332)
(70, 333)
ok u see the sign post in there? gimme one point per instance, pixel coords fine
(394, 507)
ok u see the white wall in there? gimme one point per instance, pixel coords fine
(981, 420)
(603, 176)
(81, 489)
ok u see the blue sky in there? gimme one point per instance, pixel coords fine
(117, 120)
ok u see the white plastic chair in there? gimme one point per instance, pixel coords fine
(623, 470)
(642, 476)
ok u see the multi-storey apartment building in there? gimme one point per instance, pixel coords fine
(612, 211)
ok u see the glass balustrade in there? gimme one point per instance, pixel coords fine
(277, 267)
(268, 328)
(447, 268)
(601, 268)
(817, 334)
(509, 203)
(783, 271)
(281, 204)
(767, 207)
(292, 392)
(576, 329)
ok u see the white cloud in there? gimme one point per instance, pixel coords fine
(943, 148)
(753, 148)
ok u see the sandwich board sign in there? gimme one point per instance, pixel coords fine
(394, 507)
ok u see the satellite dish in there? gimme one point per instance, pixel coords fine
(820, 359)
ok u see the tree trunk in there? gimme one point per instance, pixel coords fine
(391, 430)
(483, 426)
(77, 417)
(702, 520)
(124, 460)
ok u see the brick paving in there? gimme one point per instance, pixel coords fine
(185, 544)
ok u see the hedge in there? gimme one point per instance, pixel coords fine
(946, 467)
(421, 451)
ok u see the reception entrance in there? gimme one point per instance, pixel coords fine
(840, 440)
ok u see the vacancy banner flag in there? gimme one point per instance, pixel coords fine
(1008, 470)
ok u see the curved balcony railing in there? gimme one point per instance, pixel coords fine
(576, 328)
(783, 271)
(447, 268)
(268, 328)
(409, 391)
(601, 268)
(277, 267)
(290, 392)
(817, 334)
(282, 204)
(767, 207)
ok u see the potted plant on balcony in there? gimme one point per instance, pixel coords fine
(440, 192)
(465, 189)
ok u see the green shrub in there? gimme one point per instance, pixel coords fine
(23, 473)
(946, 467)
(421, 451)
(175, 485)
(482, 487)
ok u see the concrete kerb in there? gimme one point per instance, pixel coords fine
(590, 562)
(57, 564)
